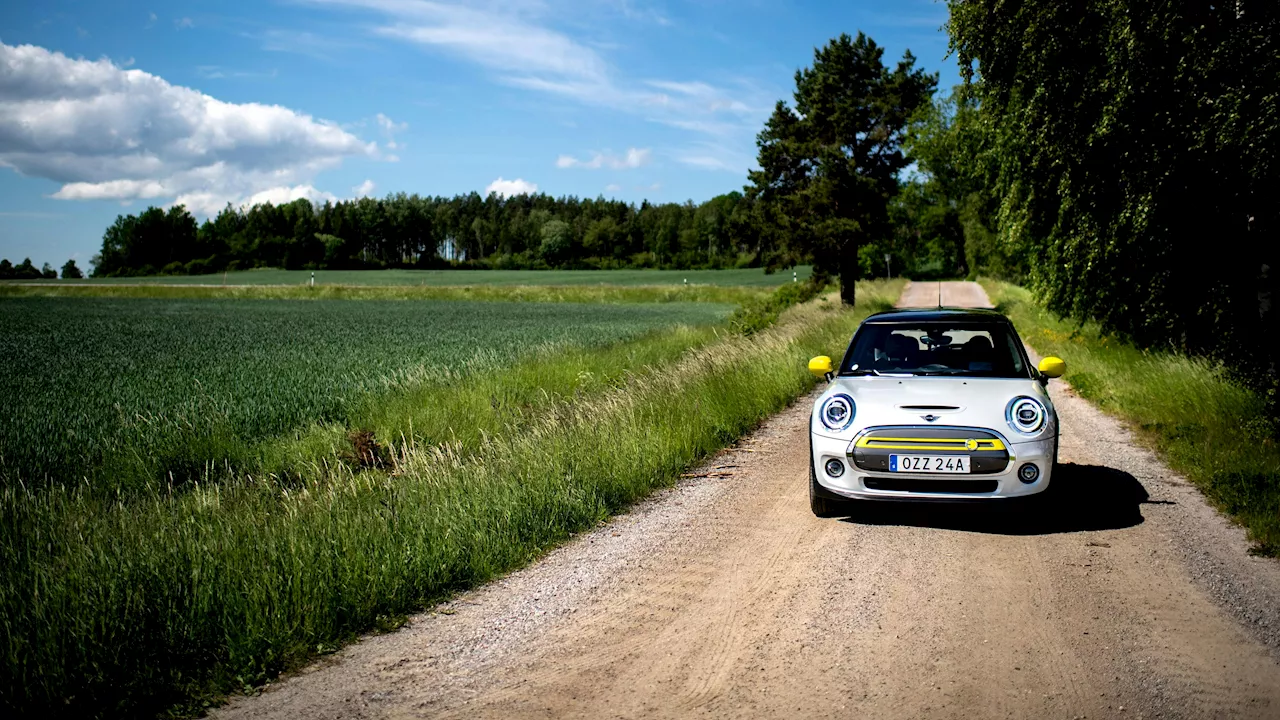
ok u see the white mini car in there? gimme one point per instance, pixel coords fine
(938, 405)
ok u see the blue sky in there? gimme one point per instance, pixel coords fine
(106, 108)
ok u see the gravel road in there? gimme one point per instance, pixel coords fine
(1123, 595)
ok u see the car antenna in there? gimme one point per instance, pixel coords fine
(939, 294)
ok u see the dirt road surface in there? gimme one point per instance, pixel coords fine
(1124, 597)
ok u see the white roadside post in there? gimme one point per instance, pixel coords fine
(886, 266)
(313, 278)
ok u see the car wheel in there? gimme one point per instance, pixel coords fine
(822, 507)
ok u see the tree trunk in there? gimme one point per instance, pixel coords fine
(848, 265)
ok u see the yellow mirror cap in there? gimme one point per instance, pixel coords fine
(1053, 367)
(820, 365)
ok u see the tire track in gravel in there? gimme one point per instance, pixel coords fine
(1124, 595)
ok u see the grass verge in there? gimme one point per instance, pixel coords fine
(1210, 429)
(140, 606)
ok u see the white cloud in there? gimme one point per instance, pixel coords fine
(634, 158)
(516, 42)
(109, 133)
(185, 22)
(389, 129)
(503, 40)
(282, 195)
(612, 187)
(708, 162)
(507, 188)
(364, 189)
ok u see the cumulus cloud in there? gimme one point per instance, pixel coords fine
(634, 158)
(108, 133)
(507, 188)
(364, 189)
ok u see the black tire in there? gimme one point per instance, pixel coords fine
(823, 507)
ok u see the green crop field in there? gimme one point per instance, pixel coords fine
(126, 391)
(750, 277)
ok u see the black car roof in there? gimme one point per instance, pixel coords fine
(911, 315)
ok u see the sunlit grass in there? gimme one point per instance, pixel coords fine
(1211, 429)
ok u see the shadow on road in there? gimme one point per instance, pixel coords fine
(1080, 497)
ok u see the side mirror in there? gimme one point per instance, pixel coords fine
(820, 366)
(1052, 367)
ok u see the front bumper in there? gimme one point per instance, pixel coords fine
(859, 484)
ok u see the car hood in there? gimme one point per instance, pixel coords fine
(968, 402)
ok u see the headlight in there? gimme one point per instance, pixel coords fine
(837, 412)
(1026, 415)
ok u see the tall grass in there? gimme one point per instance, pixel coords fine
(1213, 430)
(135, 606)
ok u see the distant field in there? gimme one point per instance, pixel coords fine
(127, 390)
(747, 277)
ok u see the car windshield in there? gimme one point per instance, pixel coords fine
(971, 349)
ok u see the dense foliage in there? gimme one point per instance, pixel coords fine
(829, 166)
(1131, 147)
(522, 231)
(124, 392)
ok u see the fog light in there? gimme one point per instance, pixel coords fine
(835, 468)
(1028, 473)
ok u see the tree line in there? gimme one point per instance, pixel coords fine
(467, 231)
(26, 271)
(411, 231)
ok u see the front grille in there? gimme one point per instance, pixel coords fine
(986, 451)
(917, 443)
(931, 486)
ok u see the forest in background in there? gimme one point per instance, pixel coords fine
(494, 232)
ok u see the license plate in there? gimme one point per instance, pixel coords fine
(929, 463)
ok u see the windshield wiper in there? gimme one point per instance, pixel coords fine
(877, 373)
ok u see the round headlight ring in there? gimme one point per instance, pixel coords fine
(1026, 415)
(836, 413)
